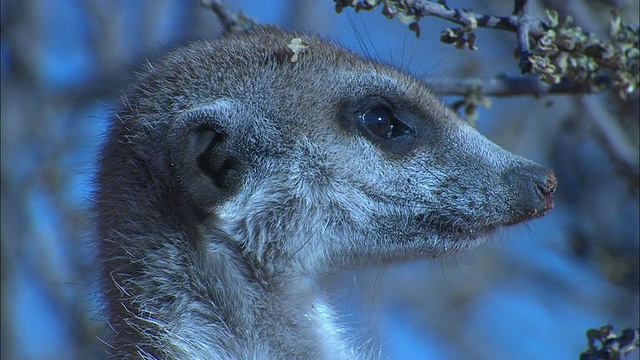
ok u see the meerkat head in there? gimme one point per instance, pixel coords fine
(307, 157)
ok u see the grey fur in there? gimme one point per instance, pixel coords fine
(233, 177)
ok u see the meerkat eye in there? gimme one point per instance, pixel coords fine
(382, 123)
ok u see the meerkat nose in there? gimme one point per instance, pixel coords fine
(533, 187)
(546, 186)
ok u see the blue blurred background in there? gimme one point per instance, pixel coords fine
(531, 292)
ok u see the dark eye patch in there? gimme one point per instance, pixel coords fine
(383, 123)
(386, 121)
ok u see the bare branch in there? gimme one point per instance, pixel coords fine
(613, 137)
(523, 35)
(227, 18)
(425, 8)
(520, 7)
(505, 86)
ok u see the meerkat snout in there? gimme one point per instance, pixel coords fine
(241, 169)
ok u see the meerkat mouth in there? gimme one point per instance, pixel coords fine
(454, 230)
(423, 223)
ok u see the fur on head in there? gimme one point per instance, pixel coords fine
(236, 173)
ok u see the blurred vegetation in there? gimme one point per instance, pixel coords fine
(52, 123)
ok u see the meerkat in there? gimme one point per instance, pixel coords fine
(242, 169)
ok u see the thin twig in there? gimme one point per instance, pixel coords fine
(504, 86)
(424, 8)
(227, 18)
(520, 12)
(613, 137)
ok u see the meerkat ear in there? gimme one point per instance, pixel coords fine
(203, 160)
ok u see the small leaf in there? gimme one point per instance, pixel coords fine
(553, 18)
(615, 25)
(297, 47)
(406, 19)
(449, 36)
